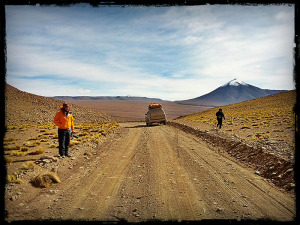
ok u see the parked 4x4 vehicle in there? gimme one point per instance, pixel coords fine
(155, 114)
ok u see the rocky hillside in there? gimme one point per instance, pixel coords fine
(25, 108)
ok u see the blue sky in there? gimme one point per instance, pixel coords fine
(172, 53)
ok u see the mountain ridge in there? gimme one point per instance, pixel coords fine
(232, 92)
(108, 98)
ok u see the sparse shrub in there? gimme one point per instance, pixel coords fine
(83, 134)
(12, 147)
(53, 146)
(10, 139)
(17, 153)
(8, 159)
(245, 127)
(88, 154)
(32, 144)
(43, 130)
(230, 122)
(32, 139)
(86, 128)
(257, 137)
(98, 142)
(8, 143)
(280, 139)
(24, 149)
(248, 120)
(72, 143)
(11, 127)
(28, 166)
(45, 180)
(14, 179)
(37, 152)
(276, 130)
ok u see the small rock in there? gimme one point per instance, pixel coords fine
(257, 172)
(219, 210)
(289, 186)
(13, 198)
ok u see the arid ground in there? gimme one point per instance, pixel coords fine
(126, 171)
(143, 173)
(124, 111)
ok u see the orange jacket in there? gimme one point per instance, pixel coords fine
(63, 121)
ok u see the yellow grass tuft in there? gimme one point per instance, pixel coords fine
(88, 154)
(245, 127)
(8, 159)
(14, 179)
(12, 147)
(45, 180)
(37, 152)
(32, 144)
(10, 139)
(11, 127)
(24, 149)
(28, 166)
(17, 153)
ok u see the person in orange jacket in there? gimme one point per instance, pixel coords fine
(64, 120)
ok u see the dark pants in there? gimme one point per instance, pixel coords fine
(64, 137)
(219, 122)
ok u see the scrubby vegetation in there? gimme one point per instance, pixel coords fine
(37, 140)
(273, 114)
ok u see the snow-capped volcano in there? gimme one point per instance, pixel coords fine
(235, 82)
(232, 92)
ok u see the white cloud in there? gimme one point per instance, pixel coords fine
(171, 53)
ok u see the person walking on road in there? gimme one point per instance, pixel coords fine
(64, 120)
(220, 116)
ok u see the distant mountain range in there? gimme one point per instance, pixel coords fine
(234, 91)
(108, 98)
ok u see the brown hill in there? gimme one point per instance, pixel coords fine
(25, 108)
(268, 118)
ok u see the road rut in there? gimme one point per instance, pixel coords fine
(157, 173)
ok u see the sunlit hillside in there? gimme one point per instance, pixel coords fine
(268, 118)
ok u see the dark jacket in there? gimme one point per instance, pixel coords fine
(220, 115)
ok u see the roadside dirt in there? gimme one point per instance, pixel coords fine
(151, 173)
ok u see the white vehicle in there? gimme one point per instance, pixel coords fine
(155, 114)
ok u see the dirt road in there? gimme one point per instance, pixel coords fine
(144, 173)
